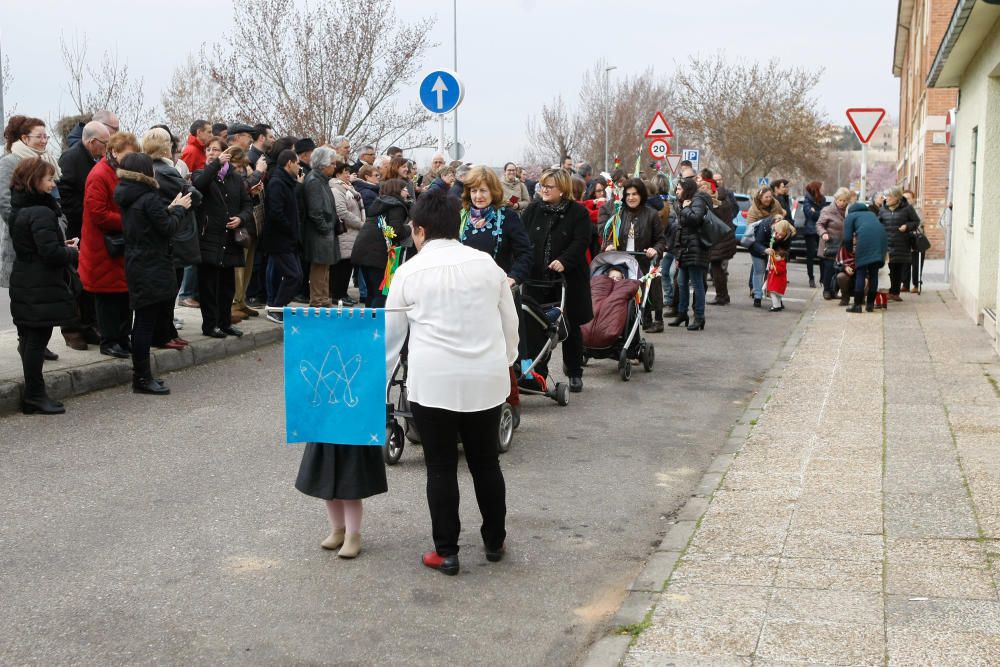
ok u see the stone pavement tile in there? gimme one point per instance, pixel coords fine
(943, 514)
(943, 614)
(713, 645)
(909, 476)
(986, 497)
(764, 500)
(738, 479)
(976, 391)
(738, 540)
(677, 660)
(860, 520)
(905, 391)
(830, 575)
(826, 544)
(726, 569)
(975, 420)
(831, 643)
(941, 553)
(920, 418)
(835, 464)
(853, 482)
(826, 606)
(940, 582)
(941, 647)
(978, 449)
(737, 608)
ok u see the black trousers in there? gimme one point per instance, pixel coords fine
(720, 278)
(439, 431)
(914, 275)
(373, 278)
(867, 272)
(827, 276)
(114, 319)
(33, 341)
(572, 351)
(216, 287)
(164, 330)
(340, 279)
(284, 277)
(812, 244)
(898, 272)
(142, 337)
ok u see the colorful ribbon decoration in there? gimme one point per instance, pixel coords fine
(392, 262)
(611, 227)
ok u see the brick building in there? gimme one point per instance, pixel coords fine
(923, 155)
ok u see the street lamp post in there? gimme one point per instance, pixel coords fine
(607, 105)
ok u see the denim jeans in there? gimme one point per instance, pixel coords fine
(688, 277)
(757, 276)
(189, 286)
(666, 266)
(284, 276)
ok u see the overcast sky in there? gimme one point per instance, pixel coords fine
(512, 56)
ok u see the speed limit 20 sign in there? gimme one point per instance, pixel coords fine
(658, 149)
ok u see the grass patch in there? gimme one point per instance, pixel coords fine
(636, 629)
(993, 383)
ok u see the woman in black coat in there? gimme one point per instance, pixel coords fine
(693, 258)
(900, 221)
(560, 231)
(149, 225)
(391, 211)
(225, 208)
(42, 293)
(496, 229)
(639, 230)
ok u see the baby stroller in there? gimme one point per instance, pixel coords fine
(399, 418)
(543, 326)
(615, 332)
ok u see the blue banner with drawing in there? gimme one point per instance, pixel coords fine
(335, 376)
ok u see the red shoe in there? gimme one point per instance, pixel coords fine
(181, 341)
(173, 345)
(443, 564)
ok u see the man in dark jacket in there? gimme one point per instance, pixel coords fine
(304, 149)
(280, 238)
(106, 118)
(263, 142)
(866, 238)
(75, 164)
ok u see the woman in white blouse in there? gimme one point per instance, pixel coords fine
(463, 326)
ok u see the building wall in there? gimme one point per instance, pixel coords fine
(975, 239)
(923, 154)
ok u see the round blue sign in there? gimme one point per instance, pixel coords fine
(441, 91)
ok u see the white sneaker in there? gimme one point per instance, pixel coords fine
(178, 324)
(276, 317)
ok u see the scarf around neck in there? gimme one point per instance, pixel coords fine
(24, 151)
(555, 209)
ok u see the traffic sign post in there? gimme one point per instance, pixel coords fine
(864, 120)
(441, 92)
(762, 181)
(658, 149)
(673, 161)
(658, 128)
(692, 155)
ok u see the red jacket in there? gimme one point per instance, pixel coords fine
(777, 278)
(193, 154)
(99, 272)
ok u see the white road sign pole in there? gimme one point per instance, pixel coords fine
(864, 171)
(441, 135)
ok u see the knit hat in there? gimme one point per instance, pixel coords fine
(304, 146)
(242, 128)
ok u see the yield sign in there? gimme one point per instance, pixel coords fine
(673, 161)
(865, 122)
(659, 128)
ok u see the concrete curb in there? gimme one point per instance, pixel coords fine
(611, 648)
(108, 372)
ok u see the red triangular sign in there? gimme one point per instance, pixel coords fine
(659, 129)
(673, 161)
(865, 122)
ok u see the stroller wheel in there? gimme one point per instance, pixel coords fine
(562, 394)
(506, 427)
(394, 440)
(624, 367)
(648, 357)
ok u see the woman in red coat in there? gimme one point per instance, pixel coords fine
(101, 273)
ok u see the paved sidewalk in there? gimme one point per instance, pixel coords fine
(859, 521)
(78, 372)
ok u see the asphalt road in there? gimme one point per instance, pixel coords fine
(167, 530)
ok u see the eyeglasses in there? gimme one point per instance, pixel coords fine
(549, 187)
(101, 141)
(39, 136)
(113, 128)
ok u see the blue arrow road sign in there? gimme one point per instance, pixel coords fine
(441, 91)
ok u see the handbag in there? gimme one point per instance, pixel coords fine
(920, 242)
(185, 247)
(831, 249)
(115, 244)
(712, 229)
(241, 237)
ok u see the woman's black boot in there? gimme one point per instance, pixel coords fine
(697, 325)
(42, 406)
(679, 320)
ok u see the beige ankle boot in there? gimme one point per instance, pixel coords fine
(352, 546)
(334, 540)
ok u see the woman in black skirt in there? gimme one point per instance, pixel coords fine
(342, 475)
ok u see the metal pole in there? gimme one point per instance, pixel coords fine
(441, 135)
(607, 111)
(454, 14)
(864, 171)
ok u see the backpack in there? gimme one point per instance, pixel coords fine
(713, 229)
(748, 234)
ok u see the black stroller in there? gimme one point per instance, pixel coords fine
(543, 326)
(627, 343)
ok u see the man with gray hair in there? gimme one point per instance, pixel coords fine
(461, 172)
(365, 157)
(342, 147)
(105, 117)
(320, 248)
(75, 164)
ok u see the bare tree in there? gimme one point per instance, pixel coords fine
(191, 95)
(753, 118)
(5, 76)
(555, 134)
(630, 103)
(323, 70)
(108, 86)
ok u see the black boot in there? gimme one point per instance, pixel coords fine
(856, 308)
(697, 325)
(812, 282)
(149, 385)
(42, 406)
(679, 320)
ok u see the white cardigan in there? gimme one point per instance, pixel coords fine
(463, 327)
